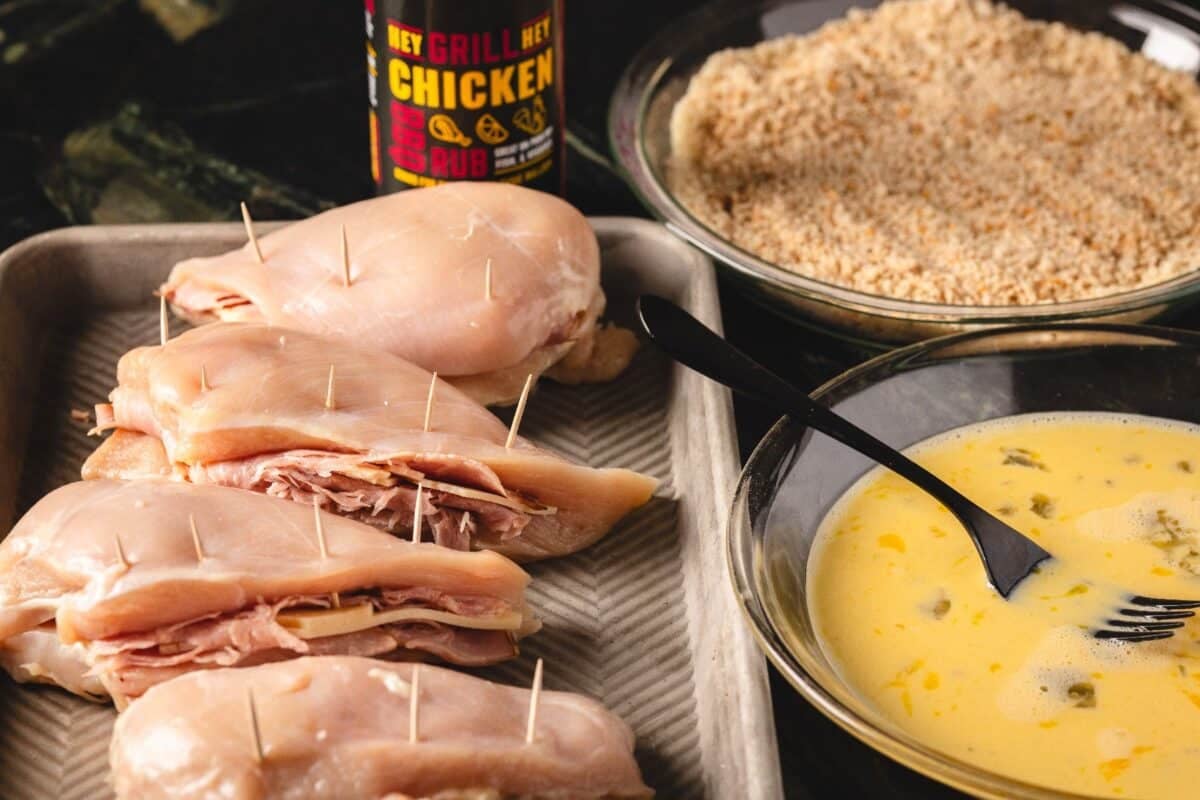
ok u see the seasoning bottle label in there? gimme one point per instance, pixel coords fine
(465, 90)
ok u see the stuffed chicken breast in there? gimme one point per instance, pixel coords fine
(342, 728)
(143, 581)
(296, 416)
(481, 283)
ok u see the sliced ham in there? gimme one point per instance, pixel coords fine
(228, 639)
(262, 424)
(221, 639)
(418, 265)
(392, 642)
(158, 607)
(337, 728)
(377, 495)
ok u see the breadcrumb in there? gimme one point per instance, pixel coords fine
(947, 151)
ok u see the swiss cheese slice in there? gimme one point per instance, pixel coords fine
(321, 622)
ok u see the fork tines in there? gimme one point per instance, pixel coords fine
(1138, 613)
(1132, 637)
(1148, 619)
(1141, 600)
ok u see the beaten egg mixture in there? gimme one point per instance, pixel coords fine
(902, 608)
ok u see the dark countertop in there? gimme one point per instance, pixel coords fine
(269, 104)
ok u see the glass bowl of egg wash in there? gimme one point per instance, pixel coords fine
(872, 601)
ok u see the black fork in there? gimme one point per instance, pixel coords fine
(1147, 619)
(1008, 555)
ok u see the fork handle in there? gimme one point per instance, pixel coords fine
(692, 344)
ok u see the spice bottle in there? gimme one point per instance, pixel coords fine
(465, 90)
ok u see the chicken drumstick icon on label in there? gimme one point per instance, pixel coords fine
(442, 128)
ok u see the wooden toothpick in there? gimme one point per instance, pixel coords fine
(520, 412)
(329, 393)
(534, 696)
(413, 700)
(345, 259)
(120, 550)
(319, 524)
(250, 233)
(429, 403)
(203, 379)
(487, 281)
(259, 756)
(416, 534)
(164, 330)
(196, 537)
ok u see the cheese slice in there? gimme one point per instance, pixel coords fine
(366, 473)
(318, 623)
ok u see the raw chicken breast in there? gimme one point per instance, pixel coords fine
(39, 656)
(116, 568)
(263, 424)
(337, 728)
(418, 272)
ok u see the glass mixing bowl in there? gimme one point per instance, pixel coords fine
(639, 129)
(795, 475)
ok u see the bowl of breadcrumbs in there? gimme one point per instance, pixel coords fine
(918, 167)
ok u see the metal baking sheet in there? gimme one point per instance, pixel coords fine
(644, 620)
